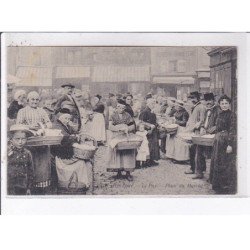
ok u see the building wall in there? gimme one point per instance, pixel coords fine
(224, 73)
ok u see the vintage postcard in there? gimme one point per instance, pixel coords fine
(115, 117)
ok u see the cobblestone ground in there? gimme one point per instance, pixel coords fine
(165, 179)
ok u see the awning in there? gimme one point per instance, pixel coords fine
(180, 80)
(34, 76)
(72, 72)
(121, 74)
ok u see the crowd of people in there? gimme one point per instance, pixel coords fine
(76, 113)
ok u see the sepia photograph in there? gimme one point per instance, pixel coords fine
(121, 120)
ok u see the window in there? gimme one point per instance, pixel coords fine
(181, 66)
(173, 66)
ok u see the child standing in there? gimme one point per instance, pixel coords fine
(143, 151)
(20, 169)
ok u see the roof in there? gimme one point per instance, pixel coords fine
(121, 74)
(221, 49)
(72, 72)
(34, 76)
(182, 80)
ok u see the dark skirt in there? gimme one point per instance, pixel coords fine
(223, 172)
(153, 143)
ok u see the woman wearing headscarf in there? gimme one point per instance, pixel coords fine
(17, 104)
(36, 118)
(33, 115)
(121, 160)
(71, 171)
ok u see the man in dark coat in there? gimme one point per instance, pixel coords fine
(208, 126)
(68, 98)
(149, 119)
(194, 125)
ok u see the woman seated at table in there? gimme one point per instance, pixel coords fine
(32, 114)
(37, 120)
(121, 124)
(71, 171)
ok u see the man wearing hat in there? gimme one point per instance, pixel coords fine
(208, 126)
(194, 124)
(68, 91)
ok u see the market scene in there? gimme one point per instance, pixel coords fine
(122, 120)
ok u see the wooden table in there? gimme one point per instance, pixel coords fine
(40, 149)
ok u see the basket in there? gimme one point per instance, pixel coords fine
(204, 141)
(170, 129)
(185, 137)
(85, 154)
(128, 145)
(44, 140)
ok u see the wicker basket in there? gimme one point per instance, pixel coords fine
(44, 140)
(204, 141)
(85, 154)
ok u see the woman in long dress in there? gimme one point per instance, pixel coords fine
(71, 171)
(98, 120)
(181, 148)
(121, 160)
(223, 172)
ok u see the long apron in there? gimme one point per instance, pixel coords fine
(120, 160)
(181, 147)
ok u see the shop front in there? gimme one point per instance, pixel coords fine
(175, 86)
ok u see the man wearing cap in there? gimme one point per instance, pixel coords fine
(208, 126)
(194, 124)
(68, 91)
